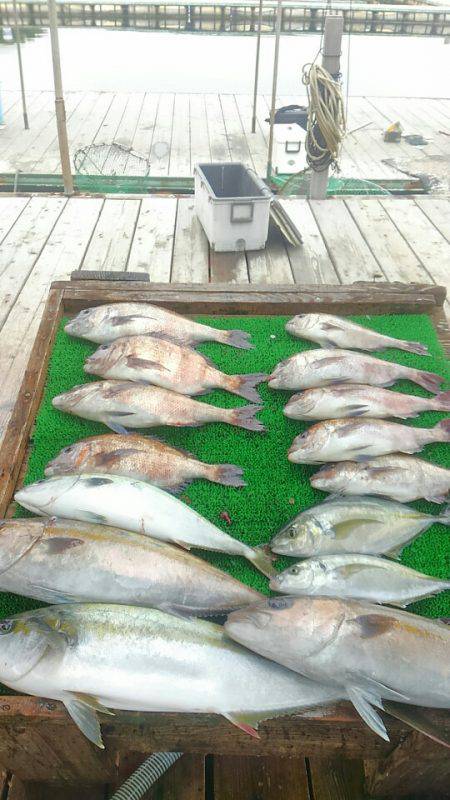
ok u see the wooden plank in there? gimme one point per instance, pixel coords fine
(83, 124)
(310, 263)
(45, 144)
(14, 133)
(143, 137)
(23, 245)
(251, 777)
(185, 780)
(256, 142)
(152, 245)
(50, 791)
(237, 142)
(230, 267)
(190, 252)
(130, 118)
(437, 209)
(272, 264)
(180, 152)
(336, 779)
(218, 140)
(162, 136)
(199, 140)
(110, 243)
(10, 210)
(415, 767)
(351, 257)
(397, 260)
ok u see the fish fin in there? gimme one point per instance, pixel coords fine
(246, 385)
(416, 719)
(428, 380)
(385, 470)
(357, 410)
(109, 458)
(442, 401)
(443, 427)
(116, 321)
(335, 381)
(182, 612)
(239, 339)
(115, 426)
(444, 516)
(227, 475)
(381, 689)
(85, 717)
(54, 595)
(244, 417)
(181, 544)
(361, 457)
(342, 529)
(436, 498)
(92, 702)
(91, 516)
(56, 545)
(177, 489)
(263, 561)
(331, 326)
(396, 552)
(144, 363)
(363, 702)
(349, 426)
(241, 722)
(328, 361)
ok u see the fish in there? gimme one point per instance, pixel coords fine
(403, 478)
(123, 403)
(324, 367)
(371, 652)
(330, 331)
(61, 561)
(357, 400)
(142, 457)
(348, 525)
(362, 439)
(370, 578)
(134, 506)
(111, 321)
(97, 657)
(150, 359)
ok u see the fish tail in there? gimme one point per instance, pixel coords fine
(414, 347)
(442, 431)
(263, 561)
(244, 417)
(239, 339)
(244, 385)
(444, 516)
(441, 402)
(428, 380)
(226, 474)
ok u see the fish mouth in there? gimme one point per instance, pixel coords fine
(275, 583)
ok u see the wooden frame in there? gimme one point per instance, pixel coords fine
(37, 739)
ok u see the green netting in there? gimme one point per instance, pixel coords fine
(299, 185)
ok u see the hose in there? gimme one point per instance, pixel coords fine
(145, 776)
(326, 117)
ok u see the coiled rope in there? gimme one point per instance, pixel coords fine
(326, 117)
(145, 776)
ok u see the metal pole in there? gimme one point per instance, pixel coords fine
(274, 88)
(331, 58)
(19, 58)
(59, 101)
(258, 47)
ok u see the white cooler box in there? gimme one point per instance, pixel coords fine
(289, 154)
(232, 204)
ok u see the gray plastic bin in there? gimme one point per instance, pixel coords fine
(232, 204)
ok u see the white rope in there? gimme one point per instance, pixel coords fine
(326, 117)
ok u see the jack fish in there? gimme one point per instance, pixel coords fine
(135, 506)
(140, 457)
(330, 331)
(403, 478)
(366, 525)
(122, 403)
(323, 367)
(109, 322)
(163, 363)
(357, 400)
(370, 652)
(370, 578)
(97, 657)
(361, 439)
(61, 561)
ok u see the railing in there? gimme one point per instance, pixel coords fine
(235, 17)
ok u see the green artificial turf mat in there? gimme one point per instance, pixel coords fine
(276, 489)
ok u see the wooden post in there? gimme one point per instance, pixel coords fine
(258, 48)
(331, 56)
(59, 101)
(19, 58)
(274, 86)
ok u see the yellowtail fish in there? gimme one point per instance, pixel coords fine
(123, 404)
(141, 457)
(324, 367)
(403, 478)
(330, 331)
(99, 657)
(357, 400)
(112, 321)
(169, 365)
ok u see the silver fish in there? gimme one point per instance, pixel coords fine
(366, 525)
(109, 322)
(330, 331)
(96, 657)
(357, 400)
(323, 367)
(169, 365)
(123, 403)
(362, 439)
(134, 506)
(371, 652)
(61, 561)
(403, 478)
(370, 578)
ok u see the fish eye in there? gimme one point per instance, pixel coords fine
(322, 566)
(6, 626)
(68, 449)
(104, 347)
(292, 534)
(295, 570)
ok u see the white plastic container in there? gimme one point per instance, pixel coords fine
(289, 155)
(232, 204)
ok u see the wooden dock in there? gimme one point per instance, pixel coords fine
(175, 131)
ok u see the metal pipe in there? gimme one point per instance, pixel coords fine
(19, 58)
(274, 87)
(59, 101)
(258, 48)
